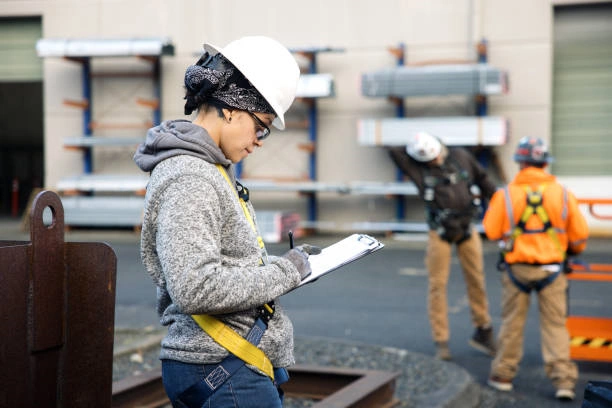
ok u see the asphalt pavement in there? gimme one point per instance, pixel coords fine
(380, 301)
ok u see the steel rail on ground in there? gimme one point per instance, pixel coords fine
(329, 386)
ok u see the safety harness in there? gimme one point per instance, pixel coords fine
(440, 219)
(534, 206)
(242, 350)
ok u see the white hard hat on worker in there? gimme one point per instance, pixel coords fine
(270, 68)
(423, 147)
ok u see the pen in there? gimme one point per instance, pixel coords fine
(290, 239)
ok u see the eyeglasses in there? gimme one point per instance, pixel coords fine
(264, 131)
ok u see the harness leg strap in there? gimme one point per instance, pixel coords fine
(537, 285)
(523, 288)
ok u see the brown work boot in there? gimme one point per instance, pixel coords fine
(483, 340)
(442, 351)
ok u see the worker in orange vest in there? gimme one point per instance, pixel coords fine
(538, 224)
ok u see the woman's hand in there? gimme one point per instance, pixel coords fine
(299, 257)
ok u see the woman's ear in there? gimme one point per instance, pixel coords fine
(227, 114)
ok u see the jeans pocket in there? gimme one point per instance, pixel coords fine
(178, 377)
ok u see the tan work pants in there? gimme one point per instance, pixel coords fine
(437, 261)
(552, 303)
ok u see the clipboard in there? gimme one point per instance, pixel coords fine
(341, 253)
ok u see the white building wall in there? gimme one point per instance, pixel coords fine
(519, 35)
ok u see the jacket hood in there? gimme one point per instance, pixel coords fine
(533, 175)
(177, 137)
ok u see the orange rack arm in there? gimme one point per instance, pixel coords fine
(151, 103)
(591, 272)
(84, 104)
(589, 276)
(591, 202)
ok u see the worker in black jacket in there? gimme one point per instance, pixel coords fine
(451, 184)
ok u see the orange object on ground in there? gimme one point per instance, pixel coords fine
(590, 338)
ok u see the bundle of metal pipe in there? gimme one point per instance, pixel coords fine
(453, 131)
(65, 47)
(431, 80)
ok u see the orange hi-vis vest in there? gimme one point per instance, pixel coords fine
(532, 236)
(534, 207)
(535, 244)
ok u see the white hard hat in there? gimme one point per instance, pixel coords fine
(423, 147)
(269, 66)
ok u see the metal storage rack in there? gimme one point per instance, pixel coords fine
(312, 86)
(479, 80)
(91, 199)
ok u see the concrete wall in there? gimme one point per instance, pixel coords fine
(519, 34)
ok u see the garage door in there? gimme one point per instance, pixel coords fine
(582, 91)
(18, 59)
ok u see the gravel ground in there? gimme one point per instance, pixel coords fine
(423, 381)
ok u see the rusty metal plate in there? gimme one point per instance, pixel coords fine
(57, 308)
(13, 315)
(88, 352)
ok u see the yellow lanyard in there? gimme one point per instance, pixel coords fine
(235, 343)
(245, 209)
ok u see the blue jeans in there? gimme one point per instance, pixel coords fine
(245, 389)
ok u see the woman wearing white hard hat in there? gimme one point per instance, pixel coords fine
(228, 341)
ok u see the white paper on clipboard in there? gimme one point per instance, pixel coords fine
(341, 253)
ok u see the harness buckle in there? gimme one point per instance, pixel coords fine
(501, 264)
(266, 311)
(534, 198)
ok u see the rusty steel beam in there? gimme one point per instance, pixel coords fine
(144, 390)
(342, 387)
(332, 387)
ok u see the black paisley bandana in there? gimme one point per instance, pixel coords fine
(217, 82)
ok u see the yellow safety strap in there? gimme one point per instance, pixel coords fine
(550, 230)
(242, 204)
(223, 334)
(235, 343)
(534, 201)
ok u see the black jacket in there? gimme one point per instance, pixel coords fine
(450, 182)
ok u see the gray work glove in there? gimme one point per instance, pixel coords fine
(299, 257)
(309, 249)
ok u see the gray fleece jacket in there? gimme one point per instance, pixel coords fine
(201, 252)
